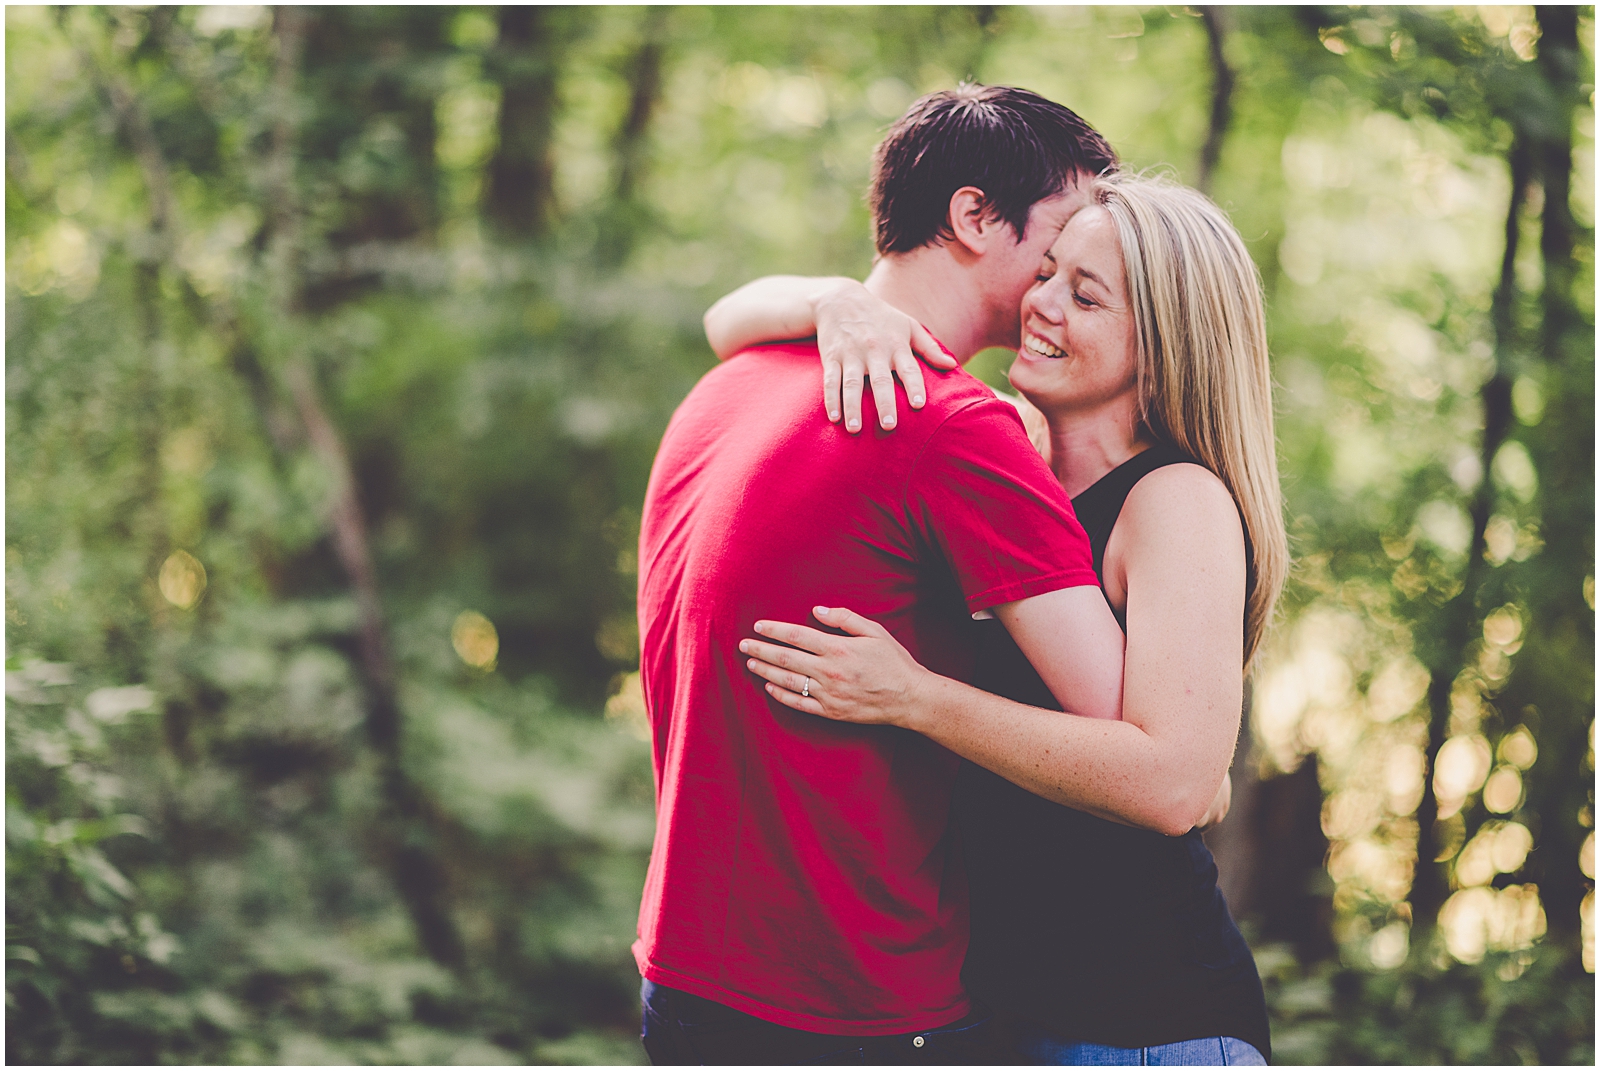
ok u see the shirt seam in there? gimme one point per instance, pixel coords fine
(911, 470)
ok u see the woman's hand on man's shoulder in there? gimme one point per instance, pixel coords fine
(863, 339)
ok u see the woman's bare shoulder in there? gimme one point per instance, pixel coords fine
(1182, 504)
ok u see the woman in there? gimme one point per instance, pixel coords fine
(1144, 349)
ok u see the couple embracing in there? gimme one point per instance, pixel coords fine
(937, 708)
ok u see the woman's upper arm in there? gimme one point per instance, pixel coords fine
(1073, 643)
(1179, 546)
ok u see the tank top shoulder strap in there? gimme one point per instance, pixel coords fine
(1099, 506)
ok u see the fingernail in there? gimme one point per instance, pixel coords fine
(821, 611)
(916, 399)
(889, 423)
(761, 626)
(744, 647)
(853, 425)
(833, 414)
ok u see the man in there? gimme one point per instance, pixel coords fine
(803, 903)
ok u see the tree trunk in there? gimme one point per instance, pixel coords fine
(520, 193)
(1560, 785)
(644, 91)
(1234, 843)
(1222, 79)
(1292, 893)
(1559, 61)
(628, 215)
(404, 836)
(1460, 616)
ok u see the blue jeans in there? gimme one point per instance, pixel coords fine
(1041, 1047)
(681, 1028)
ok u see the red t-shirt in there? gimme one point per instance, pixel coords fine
(802, 871)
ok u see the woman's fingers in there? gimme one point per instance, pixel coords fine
(798, 683)
(849, 620)
(795, 700)
(832, 379)
(881, 372)
(788, 687)
(853, 378)
(801, 636)
(909, 369)
(782, 657)
(868, 359)
(929, 350)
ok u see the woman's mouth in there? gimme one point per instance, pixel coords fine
(1038, 347)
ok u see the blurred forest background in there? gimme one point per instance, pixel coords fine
(339, 342)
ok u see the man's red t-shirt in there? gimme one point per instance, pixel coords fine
(802, 871)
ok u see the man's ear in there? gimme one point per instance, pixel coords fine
(973, 222)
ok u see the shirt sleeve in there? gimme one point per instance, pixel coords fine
(981, 496)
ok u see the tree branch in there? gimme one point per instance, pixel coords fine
(1460, 615)
(644, 91)
(1222, 80)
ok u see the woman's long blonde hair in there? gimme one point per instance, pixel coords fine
(1202, 373)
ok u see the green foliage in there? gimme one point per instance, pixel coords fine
(281, 937)
(1501, 1011)
(212, 853)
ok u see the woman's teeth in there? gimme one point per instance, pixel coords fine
(1040, 348)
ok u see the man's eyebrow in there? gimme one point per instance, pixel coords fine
(1051, 257)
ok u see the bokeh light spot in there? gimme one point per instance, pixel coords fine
(1397, 689)
(1519, 748)
(626, 710)
(1503, 791)
(1462, 765)
(475, 639)
(1527, 399)
(1514, 469)
(1503, 627)
(1478, 920)
(1586, 918)
(1511, 847)
(1389, 946)
(182, 579)
(1403, 778)
(1499, 540)
(1475, 865)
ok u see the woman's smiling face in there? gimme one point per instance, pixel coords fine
(1079, 343)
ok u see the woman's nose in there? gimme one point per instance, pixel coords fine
(1042, 302)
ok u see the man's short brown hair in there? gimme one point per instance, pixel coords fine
(1014, 145)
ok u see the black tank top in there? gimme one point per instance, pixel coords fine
(1095, 931)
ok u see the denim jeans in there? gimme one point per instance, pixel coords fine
(1041, 1047)
(680, 1028)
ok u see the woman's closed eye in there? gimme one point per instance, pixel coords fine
(1083, 300)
